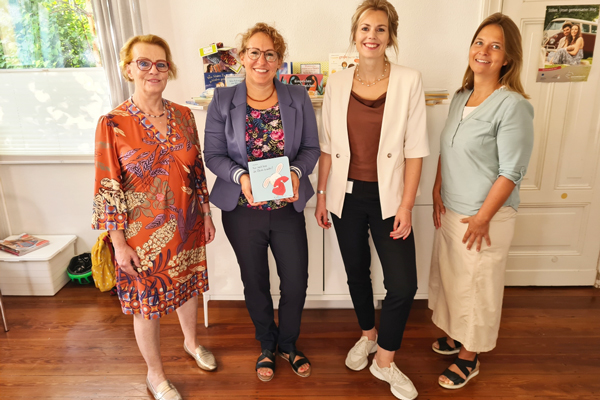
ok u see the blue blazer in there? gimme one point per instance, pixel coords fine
(225, 141)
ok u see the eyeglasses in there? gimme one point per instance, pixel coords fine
(254, 54)
(146, 65)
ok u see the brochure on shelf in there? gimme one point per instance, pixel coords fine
(341, 61)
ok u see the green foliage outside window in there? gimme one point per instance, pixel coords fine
(47, 34)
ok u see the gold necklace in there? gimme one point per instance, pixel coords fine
(379, 79)
(260, 101)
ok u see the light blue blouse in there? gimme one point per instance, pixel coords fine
(496, 139)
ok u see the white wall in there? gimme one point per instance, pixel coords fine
(434, 37)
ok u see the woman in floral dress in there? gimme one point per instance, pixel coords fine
(151, 195)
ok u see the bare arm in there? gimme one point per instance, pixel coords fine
(403, 220)
(321, 210)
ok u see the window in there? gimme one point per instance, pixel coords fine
(52, 84)
(594, 29)
(585, 28)
(555, 25)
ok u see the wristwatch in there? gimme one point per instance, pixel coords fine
(208, 214)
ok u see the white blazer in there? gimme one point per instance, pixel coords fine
(403, 135)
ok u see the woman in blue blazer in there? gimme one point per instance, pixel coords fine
(258, 119)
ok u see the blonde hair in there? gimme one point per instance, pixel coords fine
(377, 5)
(278, 40)
(510, 74)
(126, 55)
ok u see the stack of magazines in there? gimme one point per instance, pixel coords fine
(23, 244)
(435, 96)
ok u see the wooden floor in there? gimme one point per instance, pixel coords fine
(78, 345)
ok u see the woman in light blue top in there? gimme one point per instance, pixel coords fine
(485, 149)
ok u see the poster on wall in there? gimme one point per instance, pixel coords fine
(567, 51)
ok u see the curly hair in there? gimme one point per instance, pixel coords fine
(126, 55)
(278, 40)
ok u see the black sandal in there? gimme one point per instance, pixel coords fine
(296, 365)
(456, 379)
(445, 348)
(270, 364)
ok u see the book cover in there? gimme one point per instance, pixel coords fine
(296, 68)
(312, 83)
(270, 179)
(23, 244)
(284, 69)
(215, 79)
(341, 61)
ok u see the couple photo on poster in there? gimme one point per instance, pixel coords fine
(568, 43)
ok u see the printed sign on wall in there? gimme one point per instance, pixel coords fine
(568, 44)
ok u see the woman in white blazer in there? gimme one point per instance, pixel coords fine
(372, 144)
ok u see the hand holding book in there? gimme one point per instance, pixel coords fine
(247, 190)
(295, 186)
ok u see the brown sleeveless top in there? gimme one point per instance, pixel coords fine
(365, 118)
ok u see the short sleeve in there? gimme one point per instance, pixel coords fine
(416, 142)
(515, 141)
(110, 209)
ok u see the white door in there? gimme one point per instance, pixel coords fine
(557, 237)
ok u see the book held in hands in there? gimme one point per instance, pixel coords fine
(270, 179)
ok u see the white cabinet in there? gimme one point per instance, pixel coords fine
(327, 278)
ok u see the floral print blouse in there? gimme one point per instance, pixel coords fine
(264, 139)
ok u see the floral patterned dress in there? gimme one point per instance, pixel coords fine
(264, 139)
(153, 188)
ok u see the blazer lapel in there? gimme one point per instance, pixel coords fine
(288, 120)
(238, 120)
(387, 123)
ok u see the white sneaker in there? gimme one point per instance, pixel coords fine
(401, 386)
(358, 356)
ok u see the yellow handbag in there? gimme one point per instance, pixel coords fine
(103, 269)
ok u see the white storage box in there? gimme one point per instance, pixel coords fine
(42, 272)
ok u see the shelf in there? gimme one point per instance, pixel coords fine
(202, 105)
(317, 102)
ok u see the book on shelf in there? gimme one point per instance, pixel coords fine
(313, 82)
(341, 61)
(22, 244)
(309, 68)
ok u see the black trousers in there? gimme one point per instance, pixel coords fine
(361, 212)
(250, 233)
